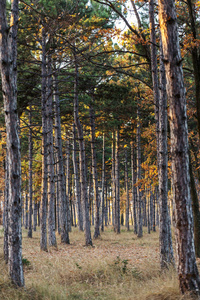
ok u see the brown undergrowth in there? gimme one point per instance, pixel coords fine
(117, 267)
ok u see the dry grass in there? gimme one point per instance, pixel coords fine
(117, 267)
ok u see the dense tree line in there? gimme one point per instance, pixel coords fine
(85, 141)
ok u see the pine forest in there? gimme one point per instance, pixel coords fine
(99, 149)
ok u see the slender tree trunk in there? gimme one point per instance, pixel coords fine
(83, 173)
(35, 215)
(50, 160)
(106, 201)
(76, 182)
(103, 218)
(94, 172)
(133, 187)
(138, 138)
(30, 145)
(8, 66)
(69, 216)
(117, 180)
(151, 209)
(6, 199)
(113, 183)
(187, 268)
(38, 213)
(44, 200)
(61, 184)
(127, 191)
(26, 210)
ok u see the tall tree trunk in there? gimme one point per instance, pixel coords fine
(69, 215)
(113, 183)
(133, 188)
(160, 102)
(76, 182)
(187, 269)
(139, 198)
(117, 180)
(127, 191)
(103, 218)
(83, 173)
(94, 171)
(44, 200)
(61, 184)
(165, 238)
(30, 146)
(6, 199)
(106, 202)
(8, 66)
(50, 159)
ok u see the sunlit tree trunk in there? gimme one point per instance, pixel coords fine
(8, 66)
(165, 238)
(187, 268)
(44, 200)
(160, 102)
(76, 182)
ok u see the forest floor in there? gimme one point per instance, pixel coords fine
(116, 267)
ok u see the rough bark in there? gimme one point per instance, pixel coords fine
(165, 238)
(50, 159)
(6, 197)
(8, 66)
(187, 268)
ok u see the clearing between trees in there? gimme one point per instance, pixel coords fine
(116, 267)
